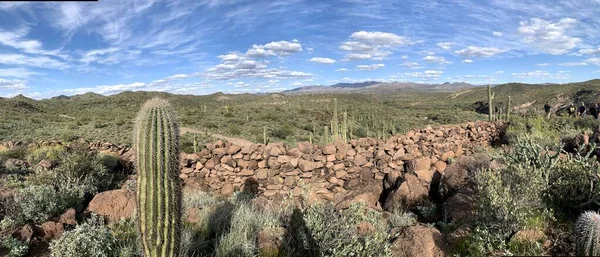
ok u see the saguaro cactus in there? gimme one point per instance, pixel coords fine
(345, 127)
(156, 139)
(490, 102)
(508, 109)
(335, 129)
(587, 231)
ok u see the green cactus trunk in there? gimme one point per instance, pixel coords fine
(156, 139)
(490, 103)
(335, 129)
(508, 109)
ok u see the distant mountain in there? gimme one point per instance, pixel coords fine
(379, 87)
(61, 97)
(86, 96)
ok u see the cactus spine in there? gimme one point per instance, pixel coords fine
(490, 102)
(156, 139)
(587, 231)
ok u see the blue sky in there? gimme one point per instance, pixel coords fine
(235, 46)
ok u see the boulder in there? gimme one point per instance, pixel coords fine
(49, 230)
(114, 204)
(305, 165)
(459, 206)
(329, 149)
(419, 241)
(68, 217)
(24, 234)
(411, 192)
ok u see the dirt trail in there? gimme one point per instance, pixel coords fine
(455, 95)
(236, 141)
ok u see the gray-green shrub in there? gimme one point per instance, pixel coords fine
(12, 247)
(335, 231)
(91, 239)
(40, 202)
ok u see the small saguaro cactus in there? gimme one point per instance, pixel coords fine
(587, 231)
(335, 129)
(345, 127)
(508, 109)
(156, 140)
(490, 102)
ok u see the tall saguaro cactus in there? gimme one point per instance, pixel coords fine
(490, 102)
(156, 139)
(335, 129)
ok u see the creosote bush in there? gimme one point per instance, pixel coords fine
(12, 247)
(38, 203)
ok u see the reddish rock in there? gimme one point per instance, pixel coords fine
(419, 241)
(365, 228)
(49, 230)
(329, 149)
(68, 217)
(262, 174)
(446, 155)
(360, 160)
(24, 234)
(411, 192)
(114, 204)
(305, 147)
(305, 165)
(233, 149)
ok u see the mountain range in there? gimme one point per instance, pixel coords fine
(379, 87)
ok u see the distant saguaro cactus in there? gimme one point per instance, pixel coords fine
(508, 109)
(587, 231)
(490, 102)
(156, 139)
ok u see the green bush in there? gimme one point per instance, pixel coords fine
(40, 202)
(537, 128)
(49, 153)
(399, 218)
(127, 237)
(91, 239)
(573, 184)
(335, 231)
(77, 167)
(12, 247)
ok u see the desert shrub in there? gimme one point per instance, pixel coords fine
(40, 202)
(482, 242)
(12, 247)
(77, 167)
(511, 199)
(126, 234)
(246, 221)
(573, 184)
(335, 233)
(536, 127)
(49, 153)
(91, 239)
(109, 160)
(399, 218)
(19, 152)
(526, 247)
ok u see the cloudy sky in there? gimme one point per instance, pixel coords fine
(235, 46)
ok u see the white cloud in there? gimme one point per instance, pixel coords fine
(380, 38)
(322, 60)
(412, 65)
(404, 57)
(370, 67)
(497, 33)
(593, 60)
(543, 64)
(435, 59)
(278, 48)
(467, 61)
(33, 61)
(178, 77)
(548, 37)
(475, 51)
(342, 69)
(16, 73)
(372, 45)
(500, 72)
(426, 75)
(7, 84)
(542, 75)
(445, 45)
(588, 51)
(354, 57)
(572, 64)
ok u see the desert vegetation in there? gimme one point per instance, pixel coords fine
(523, 184)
